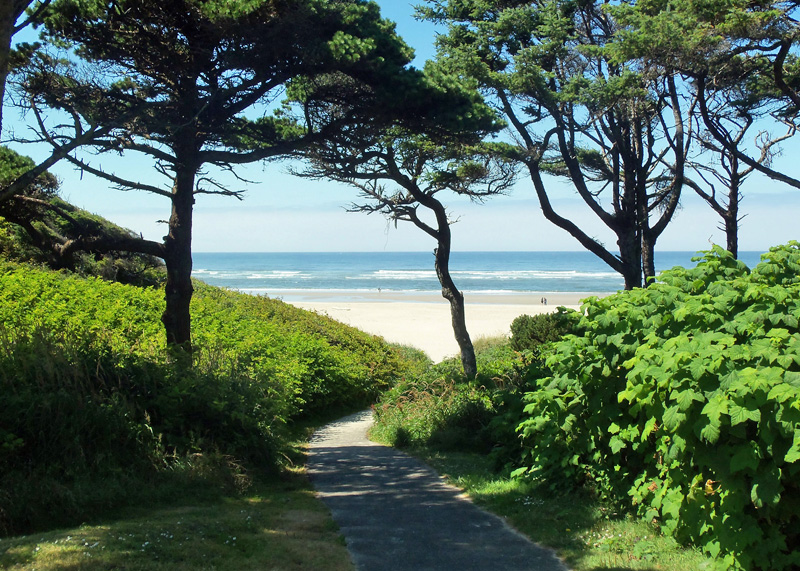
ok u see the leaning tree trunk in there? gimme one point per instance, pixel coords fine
(178, 260)
(451, 293)
(457, 314)
(442, 264)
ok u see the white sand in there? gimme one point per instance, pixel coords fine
(422, 320)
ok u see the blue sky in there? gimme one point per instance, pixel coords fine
(282, 213)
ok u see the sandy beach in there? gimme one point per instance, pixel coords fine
(422, 320)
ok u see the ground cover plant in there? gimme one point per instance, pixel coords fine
(277, 525)
(96, 410)
(681, 402)
(443, 409)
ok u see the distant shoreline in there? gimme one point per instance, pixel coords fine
(554, 299)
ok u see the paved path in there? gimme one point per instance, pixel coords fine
(397, 513)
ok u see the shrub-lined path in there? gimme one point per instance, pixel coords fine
(397, 513)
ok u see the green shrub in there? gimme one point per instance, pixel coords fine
(529, 332)
(91, 395)
(442, 410)
(32, 231)
(682, 402)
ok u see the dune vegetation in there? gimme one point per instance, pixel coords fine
(647, 443)
(96, 408)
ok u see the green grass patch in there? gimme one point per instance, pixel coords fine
(273, 526)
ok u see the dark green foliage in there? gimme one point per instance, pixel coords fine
(94, 406)
(51, 230)
(12, 165)
(528, 332)
(37, 225)
(682, 402)
(443, 410)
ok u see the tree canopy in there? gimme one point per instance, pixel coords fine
(11, 22)
(625, 100)
(195, 85)
(614, 131)
(401, 168)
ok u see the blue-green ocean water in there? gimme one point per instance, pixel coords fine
(482, 272)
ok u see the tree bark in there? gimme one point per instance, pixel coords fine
(648, 259)
(442, 264)
(178, 259)
(731, 219)
(457, 313)
(630, 250)
(8, 17)
(731, 214)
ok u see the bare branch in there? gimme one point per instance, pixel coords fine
(121, 183)
(221, 190)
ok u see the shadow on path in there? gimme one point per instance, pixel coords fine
(397, 513)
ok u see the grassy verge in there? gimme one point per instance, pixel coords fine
(584, 533)
(278, 524)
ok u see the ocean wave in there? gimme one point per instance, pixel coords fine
(396, 275)
(499, 275)
(276, 275)
(532, 274)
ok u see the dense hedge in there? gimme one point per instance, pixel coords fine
(91, 394)
(682, 400)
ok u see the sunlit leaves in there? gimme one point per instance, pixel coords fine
(693, 383)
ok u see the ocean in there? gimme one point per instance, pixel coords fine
(478, 272)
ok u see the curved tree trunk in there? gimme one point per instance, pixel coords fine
(450, 292)
(442, 263)
(457, 314)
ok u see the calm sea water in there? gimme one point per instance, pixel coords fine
(484, 272)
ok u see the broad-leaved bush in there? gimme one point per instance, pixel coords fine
(682, 402)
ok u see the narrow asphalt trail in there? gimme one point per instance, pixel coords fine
(397, 513)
